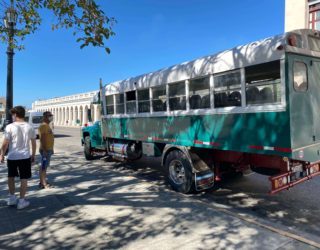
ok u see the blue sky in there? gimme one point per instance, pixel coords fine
(150, 35)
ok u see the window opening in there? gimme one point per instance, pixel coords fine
(263, 83)
(131, 102)
(300, 78)
(143, 101)
(227, 90)
(199, 93)
(314, 17)
(120, 103)
(159, 99)
(110, 105)
(177, 96)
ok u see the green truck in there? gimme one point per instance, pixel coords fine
(254, 106)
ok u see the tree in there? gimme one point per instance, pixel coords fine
(89, 23)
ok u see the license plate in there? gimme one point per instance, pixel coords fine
(297, 168)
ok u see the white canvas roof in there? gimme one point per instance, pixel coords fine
(253, 53)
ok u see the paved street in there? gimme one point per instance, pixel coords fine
(114, 205)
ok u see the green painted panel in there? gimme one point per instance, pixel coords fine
(301, 110)
(310, 153)
(95, 134)
(226, 131)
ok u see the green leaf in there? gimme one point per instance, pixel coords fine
(85, 17)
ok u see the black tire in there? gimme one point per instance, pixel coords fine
(179, 172)
(88, 154)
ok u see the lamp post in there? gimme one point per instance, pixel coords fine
(10, 20)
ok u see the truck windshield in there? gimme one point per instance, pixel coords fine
(37, 119)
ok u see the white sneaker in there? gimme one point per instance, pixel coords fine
(12, 200)
(23, 204)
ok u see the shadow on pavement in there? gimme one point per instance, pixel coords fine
(94, 206)
(61, 136)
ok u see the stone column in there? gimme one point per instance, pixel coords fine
(53, 113)
(98, 117)
(79, 115)
(67, 117)
(75, 116)
(70, 123)
(63, 116)
(85, 115)
(58, 116)
(95, 112)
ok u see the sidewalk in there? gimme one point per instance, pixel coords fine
(95, 206)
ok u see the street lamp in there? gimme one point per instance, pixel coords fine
(10, 21)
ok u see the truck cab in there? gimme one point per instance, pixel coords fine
(34, 118)
(91, 139)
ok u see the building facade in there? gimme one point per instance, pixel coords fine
(302, 14)
(73, 110)
(2, 107)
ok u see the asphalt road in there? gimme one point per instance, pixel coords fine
(296, 210)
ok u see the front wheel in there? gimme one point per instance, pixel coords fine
(87, 149)
(179, 172)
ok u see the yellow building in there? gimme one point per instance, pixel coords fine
(302, 14)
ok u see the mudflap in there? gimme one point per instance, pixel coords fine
(204, 180)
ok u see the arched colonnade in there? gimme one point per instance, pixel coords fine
(70, 110)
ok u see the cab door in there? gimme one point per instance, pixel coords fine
(301, 103)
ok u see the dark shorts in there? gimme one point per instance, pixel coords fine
(20, 168)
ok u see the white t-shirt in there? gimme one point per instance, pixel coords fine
(19, 135)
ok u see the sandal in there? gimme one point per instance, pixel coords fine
(41, 186)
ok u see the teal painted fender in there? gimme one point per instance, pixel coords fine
(94, 132)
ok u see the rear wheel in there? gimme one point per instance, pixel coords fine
(88, 153)
(179, 172)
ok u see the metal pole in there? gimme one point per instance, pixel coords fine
(10, 53)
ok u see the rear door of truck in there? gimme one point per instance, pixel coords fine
(301, 103)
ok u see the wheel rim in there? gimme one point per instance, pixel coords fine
(177, 172)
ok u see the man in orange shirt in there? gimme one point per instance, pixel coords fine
(46, 147)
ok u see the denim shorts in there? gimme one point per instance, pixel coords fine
(45, 160)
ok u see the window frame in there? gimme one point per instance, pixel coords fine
(133, 101)
(116, 104)
(148, 100)
(113, 105)
(312, 19)
(280, 106)
(166, 99)
(209, 89)
(307, 76)
(219, 88)
(264, 84)
(185, 95)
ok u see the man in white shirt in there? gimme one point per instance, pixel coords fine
(17, 137)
